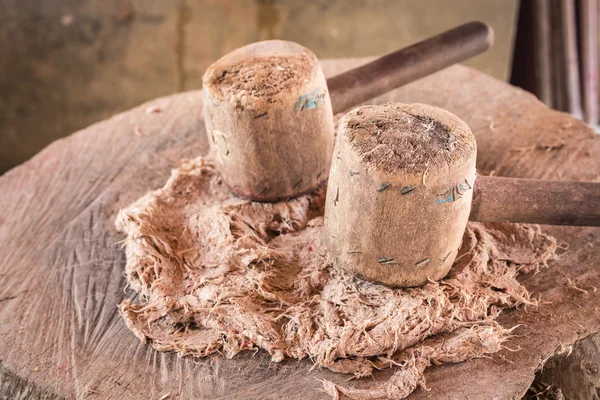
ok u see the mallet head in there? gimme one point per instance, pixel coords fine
(269, 120)
(399, 192)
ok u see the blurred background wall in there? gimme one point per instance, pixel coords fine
(65, 64)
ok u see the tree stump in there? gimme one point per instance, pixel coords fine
(61, 273)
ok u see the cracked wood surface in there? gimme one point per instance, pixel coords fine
(61, 270)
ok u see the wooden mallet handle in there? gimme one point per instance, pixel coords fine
(497, 199)
(393, 70)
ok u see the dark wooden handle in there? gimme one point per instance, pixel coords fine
(497, 199)
(356, 86)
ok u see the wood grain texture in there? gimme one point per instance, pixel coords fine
(576, 371)
(61, 270)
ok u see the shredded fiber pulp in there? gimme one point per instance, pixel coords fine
(217, 274)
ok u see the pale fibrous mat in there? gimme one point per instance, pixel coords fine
(219, 275)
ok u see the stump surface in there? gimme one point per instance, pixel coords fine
(61, 270)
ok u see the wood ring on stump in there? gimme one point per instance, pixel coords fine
(399, 192)
(269, 120)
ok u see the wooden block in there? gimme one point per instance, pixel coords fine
(61, 270)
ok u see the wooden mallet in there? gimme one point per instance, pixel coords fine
(269, 110)
(403, 185)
